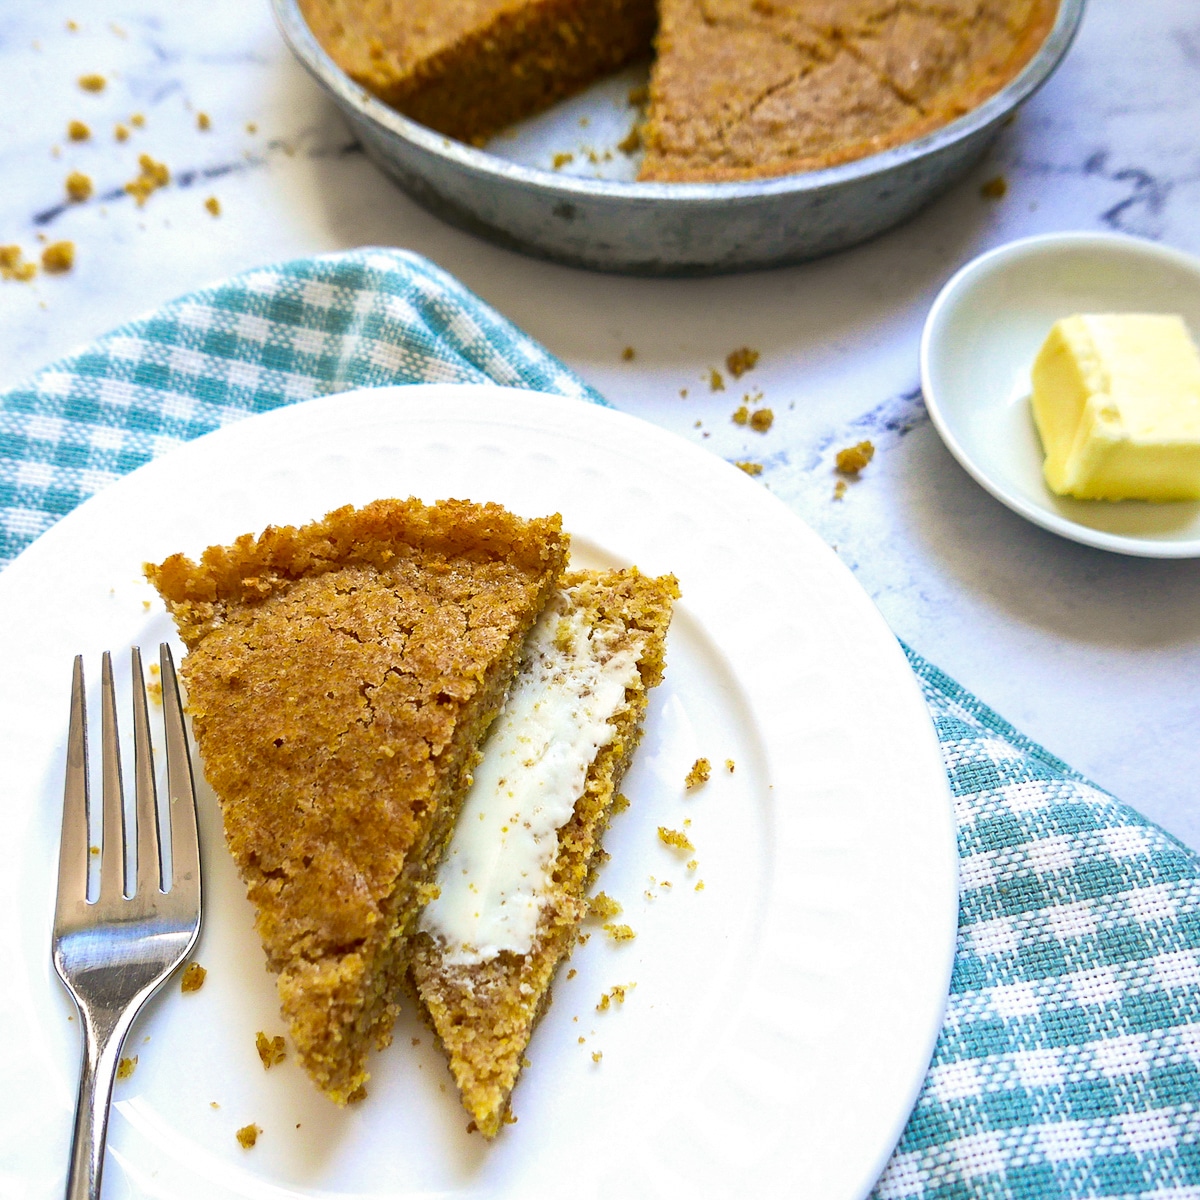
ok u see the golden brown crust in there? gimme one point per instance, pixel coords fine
(468, 68)
(743, 89)
(484, 1015)
(340, 676)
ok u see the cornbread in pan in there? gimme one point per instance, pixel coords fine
(340, 676)
(743, 89)
(468, 68)
(740, 89)
(584, 680)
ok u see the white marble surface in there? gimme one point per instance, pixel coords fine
(1096, 656)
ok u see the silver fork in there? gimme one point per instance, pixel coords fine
(112, 954)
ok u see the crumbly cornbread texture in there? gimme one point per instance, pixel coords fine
(484, 1014)
(468, 68)
(739, 89)
(748, 88)
(340, 677)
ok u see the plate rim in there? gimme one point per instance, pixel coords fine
(1028, 247)
(560, 405)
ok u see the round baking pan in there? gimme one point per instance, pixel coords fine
(669, 228)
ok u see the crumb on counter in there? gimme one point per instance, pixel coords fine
(192, 979)
(203, 122)
(730, 765)
(740, 415)
(126, 1067)
(13, 265)
(716, 381)
(247, 1136)
(121, 132)
(72, 26)
(839, 490)
(561, 159)
(674, 838)
(761, 419)
(628, 354)
(692, 864)
(270, 1050)
(597, 1055)
(138, 120)
(58, 257)
(700, 773)
(603, 906)
(740, 361)
(683, 393)
(213, 1104)
(619, 933)
(751, 468)
(77, 131)
(853, 459)
(251, 127)
(93, 83)
(152, 176)
(79, 187)
(699, 886)
(994, 189)
(572, 973)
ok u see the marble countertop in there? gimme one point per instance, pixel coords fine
(1094, 655)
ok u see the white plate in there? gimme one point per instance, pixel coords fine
(783, 1017)
(980, 340)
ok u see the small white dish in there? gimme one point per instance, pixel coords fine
(981, 337)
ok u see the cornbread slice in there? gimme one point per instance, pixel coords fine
(468, 68)
(340, 676)
(485, 982)
(742, 89)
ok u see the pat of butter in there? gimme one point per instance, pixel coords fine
(1116, 399)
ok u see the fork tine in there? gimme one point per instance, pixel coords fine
(73, 840)
(149, 874)
(181, 790)
(112, 847)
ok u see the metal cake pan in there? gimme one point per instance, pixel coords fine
(670, 228)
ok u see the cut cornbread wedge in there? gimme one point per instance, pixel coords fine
(468, 68)
(340, 677)
(1116, 399)
(743, 89)
(512, 889)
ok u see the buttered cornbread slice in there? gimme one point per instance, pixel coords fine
(512, 889)
(340, 676)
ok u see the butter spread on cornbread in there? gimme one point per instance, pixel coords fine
(484, 1002)
(493, 880)
(340, 676)
(1116, 400)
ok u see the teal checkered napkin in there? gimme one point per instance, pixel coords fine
(1069, 1062)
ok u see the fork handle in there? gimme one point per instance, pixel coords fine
(103, 1035)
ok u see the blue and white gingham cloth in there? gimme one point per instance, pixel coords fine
(1069, 1062)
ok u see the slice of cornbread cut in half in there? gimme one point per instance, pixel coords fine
(468, 68)
(340, 677)
(1116, 400)
(513, 886)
